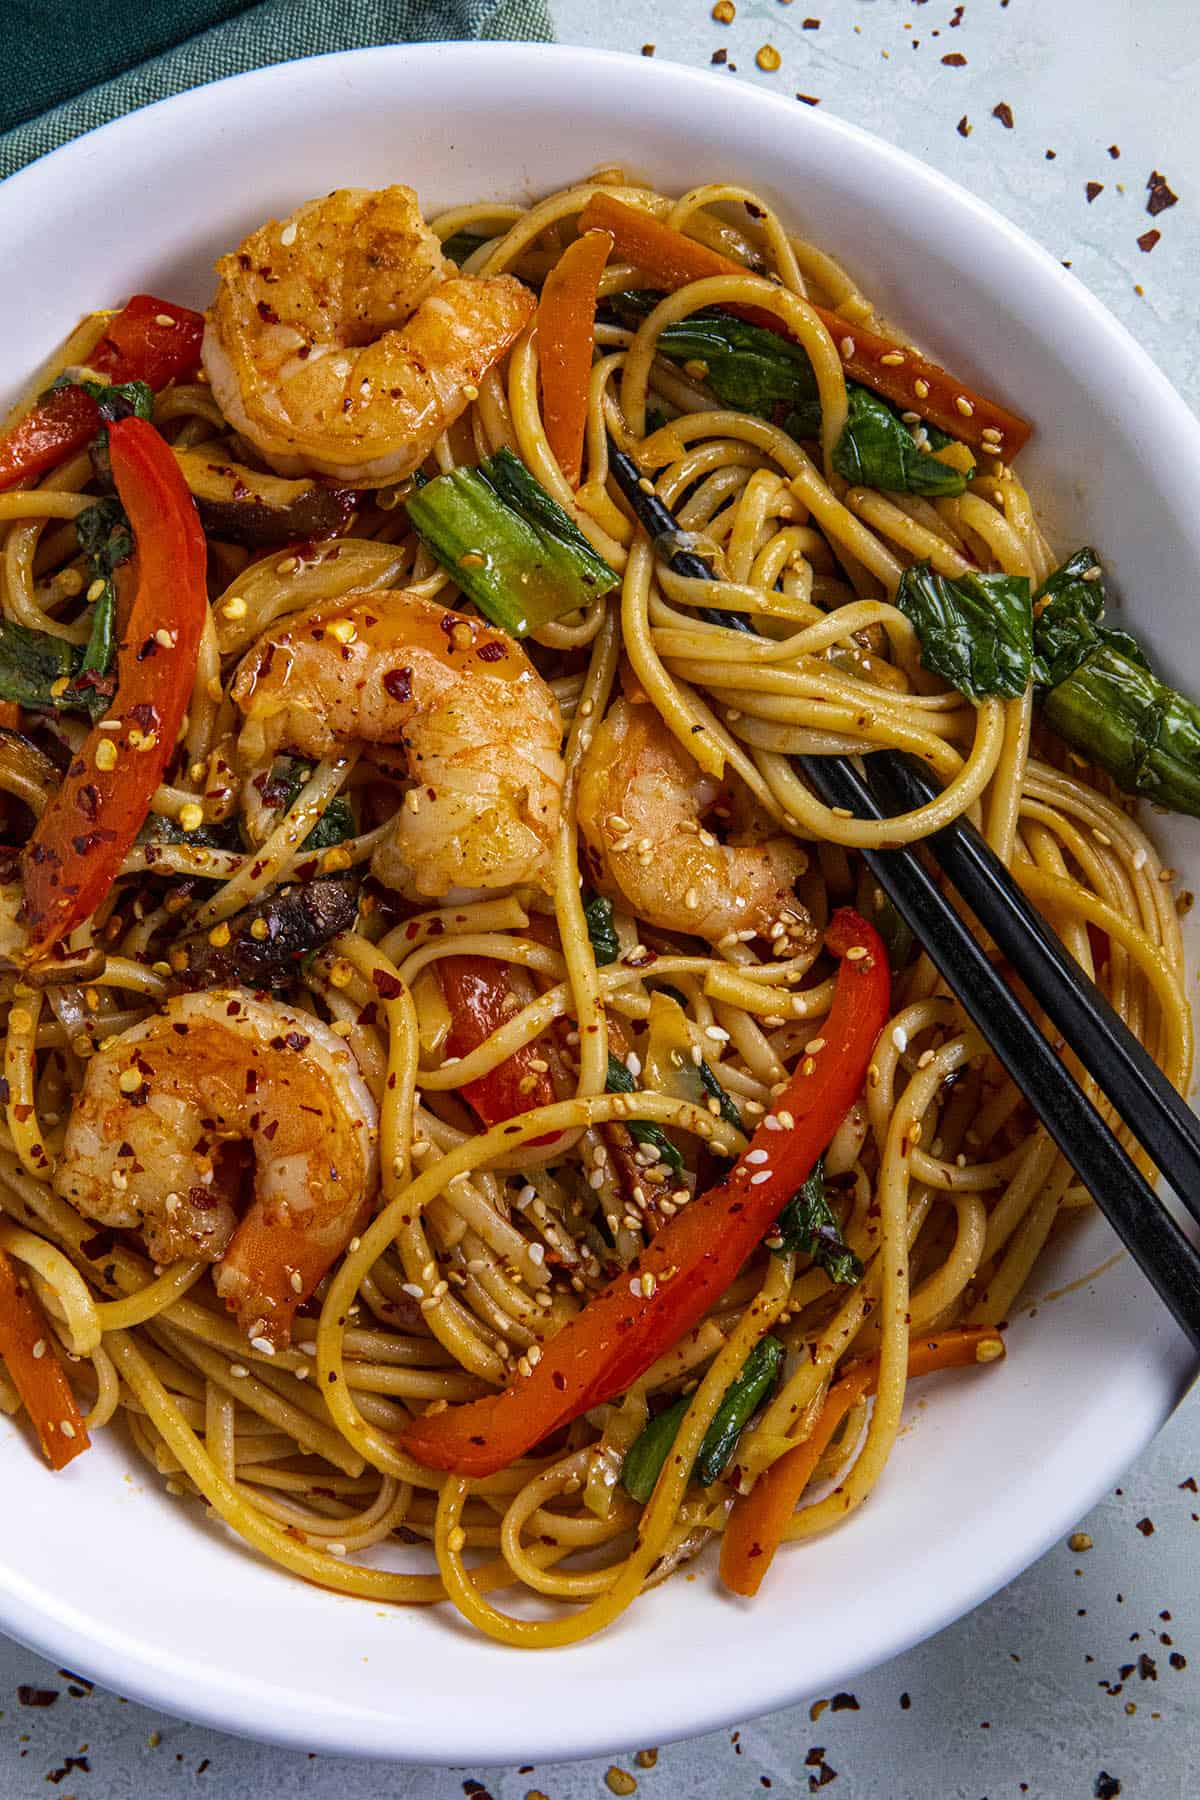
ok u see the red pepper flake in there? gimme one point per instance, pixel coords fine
(964, 127)
(811, 25)
(844, 1703)
(1146, 1527)
(648, 49)
(1148, 240)
(955, 60)
(956, 16)
(1004, 112)
(1093, 188)
(719, 56)
(398, 683)
(809, 99)
(490, 652)
(1114, 150)
(1160, 195)
(386, 984)
(36, 1696)
(1050, 155)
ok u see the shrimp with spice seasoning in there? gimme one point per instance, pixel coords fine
(155, 1142)
(642, 803)
(342, 342)
(480, 730)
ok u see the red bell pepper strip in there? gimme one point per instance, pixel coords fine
(756, 1525)
(673, 260)
(149, 340)
(32, 1361)
(480, 997)
(691, 1261)
(81, 839)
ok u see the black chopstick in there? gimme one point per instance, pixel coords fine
(1166, 1256)
(1118, 1186)
(1100, 1038)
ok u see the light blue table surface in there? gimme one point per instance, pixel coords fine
(1033, 1693)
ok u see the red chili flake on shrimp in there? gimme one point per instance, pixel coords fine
(398, 683)
(490, 652)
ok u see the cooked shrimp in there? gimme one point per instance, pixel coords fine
(341, 342)
(479, 728)
(642, 802)
(153, 1144)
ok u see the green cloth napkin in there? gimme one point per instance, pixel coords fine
(87, 61)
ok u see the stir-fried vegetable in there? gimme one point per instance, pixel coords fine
(281, 791)
(565, 319)
(976, 631)
(598, 911)
(642, 1131)
(877, 449)
(672, 1065)
(45, 673)
(81, 839)
(759, 372)
(742, 1399)
(509, 546)
(461, 245)
(244, 506)
(480, 998)
(31, 1357)
(894, 370)
(1147, 735)
(807, 1224)
(755, 1528)
(151, 341)
(693, 1258)
(271, 939)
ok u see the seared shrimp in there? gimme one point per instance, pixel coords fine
(642, 800)
(479, 728)
(341, 342)
(153, 1144)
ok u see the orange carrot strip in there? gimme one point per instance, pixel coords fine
(756, 1525)
(31, 1358)
(10, 715)
(565, 318)
(911, 382)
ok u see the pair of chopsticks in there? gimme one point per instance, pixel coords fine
(1103, 1044)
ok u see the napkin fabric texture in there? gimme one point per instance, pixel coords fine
(74, 64)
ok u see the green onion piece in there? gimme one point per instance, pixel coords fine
(509, 546)
(1119, 715)
(649, 1451)
(712, 1087)
(642, 1131)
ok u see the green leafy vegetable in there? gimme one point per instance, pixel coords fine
(746, 367)
(807, 1225)
(598, 911)
(32, 664)
(649, 1451)
(509, 546)
(1147, 735)
(1067, 610)
(976, 631)
(130, 399)
(713, 1088)
(104, 536)
(335, 823)
(461, 245)
(642, 1131)
(876, 449)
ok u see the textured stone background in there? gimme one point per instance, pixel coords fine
(1077, 1681)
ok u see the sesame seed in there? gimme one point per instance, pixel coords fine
(756, 1156)
(287, 565)
(456, 1540)
(96, 589)
(1140, 858)
(771, 1123)
(757, 1180)
(66, 1427)
(911, 418)
(537, 1254)
(1094, 573)
(847, 348)
(296, 1282)
(988, 1350)
(263, 1345)
(786, 1121)
(413, 1291)
(893, 359)
(165, 320)
(234, 607)
(635, 1287)
(856, 952)
(900, 1038)
(239, 1371)
(470, 391)
(813, 1045)
(596, 1179)
(39, 1350)
(287, 236)
(336, 1549)
(921, 389)
(964, 406)
(692, 900)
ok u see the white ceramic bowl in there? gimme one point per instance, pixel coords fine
(101, 1570)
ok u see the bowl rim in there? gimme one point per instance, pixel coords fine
(49, 1622)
